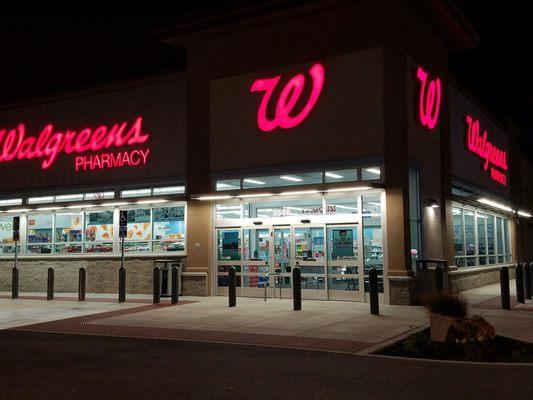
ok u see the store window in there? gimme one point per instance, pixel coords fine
(414, 217)
(342, 205)
(343, 175)
(39, 233)
(285, 208)
(99, 232)
(370, 174)
(139, 234)
(169, 229)
(7, 245)
(372, 238)
(480, 238)
(69, 231)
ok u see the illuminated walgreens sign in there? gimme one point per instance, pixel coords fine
(429, 98)
(494, 158)
(289, 96)
(50, 143)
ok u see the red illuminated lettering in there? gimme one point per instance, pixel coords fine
(480, 145)
(287, 100)
(50, 143)
(429, 99)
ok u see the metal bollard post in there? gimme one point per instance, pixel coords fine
(520, 284)
(15, 283)
(374, 298)
(50, 286)
(297, 288)
(157, 284)
(232, 289)
(439, 281)
(527, 282)
(121, 285)
(504, 288)
(175, 277)
(82, 284)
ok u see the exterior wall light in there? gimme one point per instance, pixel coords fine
(433, 203)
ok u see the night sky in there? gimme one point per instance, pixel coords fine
(53, 54)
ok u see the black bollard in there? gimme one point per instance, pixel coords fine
(121, 285)
(15, 283)
(527, 282)
(232, 289)
(174, 298)
(374, 298)
(297, 288)
(519, 284)
(82, 284)
(531, 278)
(439, 281)
(50, 286)
(157, 285)
(504, 287)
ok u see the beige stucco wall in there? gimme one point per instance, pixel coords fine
(200, 239)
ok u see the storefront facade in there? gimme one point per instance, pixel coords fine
(329, 147)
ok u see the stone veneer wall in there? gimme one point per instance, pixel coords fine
(102, 276)
(402, 291)
(465, 279)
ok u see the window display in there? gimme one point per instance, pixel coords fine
(40, 230)
(169, 229)
(7, 245)
(99, 228)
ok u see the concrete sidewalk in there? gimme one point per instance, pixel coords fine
(328, 325)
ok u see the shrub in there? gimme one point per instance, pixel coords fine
(451, 305)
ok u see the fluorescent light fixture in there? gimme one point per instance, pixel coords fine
(291, 178)
(299, 192)
(332, 175)
(349, 189)
(169, 190)
(376, 171)
(524, 214)
(69, 197)
(495, 204)
(118, 203)
(41, 199)
(154, 201)
(254, 181)
(244, 196)
(18, 210)
(207, 198)
(136, 192)
(49, 208)
(10, 202)
(345, 207)
(82, 206)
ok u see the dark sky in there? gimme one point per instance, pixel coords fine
(42, 55)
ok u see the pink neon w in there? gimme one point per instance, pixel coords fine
(287, 99)
(429, 99)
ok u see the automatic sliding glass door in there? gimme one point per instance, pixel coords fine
(309, 255)
(344, 262)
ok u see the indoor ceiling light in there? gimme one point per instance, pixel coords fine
(332, 175)
(299, 192)
(348, 189)
(154, 201)
(82, 206)
(254, 181)
(18, 210)
(207, 198)
(376, 171)
(495, 204)
(10, 202)
(117, 203)
(291, 178)
(243, 196)
(49, 208)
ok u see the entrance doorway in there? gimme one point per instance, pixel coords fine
(329, 256)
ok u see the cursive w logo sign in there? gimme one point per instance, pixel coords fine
(288, 98)
(429, 99)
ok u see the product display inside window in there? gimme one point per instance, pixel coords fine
(478, 234)
(62, 233)
(372, 237)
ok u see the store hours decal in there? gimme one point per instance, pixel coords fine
(103, 147)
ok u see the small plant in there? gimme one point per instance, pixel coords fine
(451, 305)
